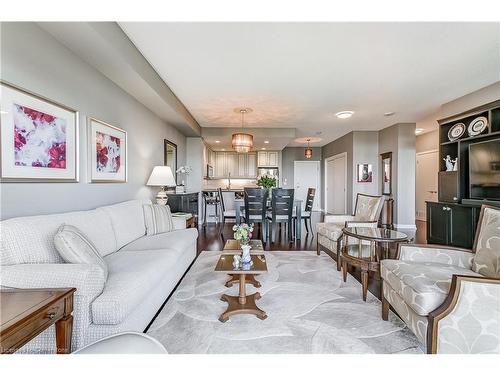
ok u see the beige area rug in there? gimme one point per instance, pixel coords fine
(310, 310)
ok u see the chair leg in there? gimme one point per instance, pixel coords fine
(305, 222)
(344, 271)
(364, 282)
(385, 308)
(318, 251)
(338, 254)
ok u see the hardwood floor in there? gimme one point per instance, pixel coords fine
(212, 238)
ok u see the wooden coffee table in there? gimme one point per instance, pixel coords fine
(241, 304)
(233, 247)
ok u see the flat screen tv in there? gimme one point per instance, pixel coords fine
(484, 170)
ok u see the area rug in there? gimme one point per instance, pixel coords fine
(310, 310)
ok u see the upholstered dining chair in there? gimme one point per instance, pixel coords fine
(366, 214)
(256, 208)
(281, 211)
(226, 214)
(306, 213)
(449, 297)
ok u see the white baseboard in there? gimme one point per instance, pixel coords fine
(406, 226)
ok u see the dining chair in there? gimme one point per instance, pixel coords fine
(256, 208)
(226, 214)
(211, 198)
(307, 212)
(281, 211)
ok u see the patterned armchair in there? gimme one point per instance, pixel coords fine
(449, 297)
(366, 214)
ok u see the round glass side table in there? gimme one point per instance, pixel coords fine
(372, 246)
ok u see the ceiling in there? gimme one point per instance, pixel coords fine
(298, 75)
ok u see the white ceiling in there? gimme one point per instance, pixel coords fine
(297, 75)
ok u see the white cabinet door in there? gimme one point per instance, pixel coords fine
(252, 165)
(231, 164)
(262, 158)
(272, 158)
(242, 165)
(220, 164)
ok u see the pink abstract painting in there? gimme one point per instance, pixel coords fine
(108, 153)
(39, 139)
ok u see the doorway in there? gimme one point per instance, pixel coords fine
(306, 175)
(426, 182)
(336, 184)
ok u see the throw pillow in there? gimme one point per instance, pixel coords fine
(158, 219)
(75, 247)
(487, 258)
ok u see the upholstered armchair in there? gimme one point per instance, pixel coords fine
(449, 297)
(366, 213)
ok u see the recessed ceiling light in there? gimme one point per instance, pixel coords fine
(344, 114)
(217, 141)
(263, 148)
(418, 130)
(266, 142)
(223, 149)
(387, 114)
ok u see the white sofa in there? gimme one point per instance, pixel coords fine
(143, 270)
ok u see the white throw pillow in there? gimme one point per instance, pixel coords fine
(158, 219)
(75, 247)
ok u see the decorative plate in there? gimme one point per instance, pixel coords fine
(477, 126)
(456, 131)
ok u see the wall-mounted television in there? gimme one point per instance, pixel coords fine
(484, 170)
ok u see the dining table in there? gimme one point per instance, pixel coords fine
(239, 206)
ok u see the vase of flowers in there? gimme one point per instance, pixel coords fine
(184, 172)
(243, 233)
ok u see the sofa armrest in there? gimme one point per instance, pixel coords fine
(338, 218)
(468, 321)
(88, 279)
(436, 254)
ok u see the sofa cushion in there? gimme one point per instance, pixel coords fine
(132, 275)
(158, 219)
(75, 247)
(332, 231)
(30, 239)
(127, 219)
(487, 258)
(423, 286)
(177, 240)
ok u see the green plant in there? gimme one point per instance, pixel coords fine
(267, 182)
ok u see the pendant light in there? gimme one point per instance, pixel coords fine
(242, 142)
(308, 153)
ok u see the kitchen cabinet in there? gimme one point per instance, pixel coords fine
(452, 224)
(239, 165)
(268, 158)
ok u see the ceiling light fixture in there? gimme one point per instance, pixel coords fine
(387, 114)
(308, 153)
(263, 148)
(344, 114)
(266, 142)
(242, 142)
(418, 130)
(217, 141)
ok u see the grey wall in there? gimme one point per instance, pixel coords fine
(365, 151)
(428, 141)
(343, 144)
(34, 60)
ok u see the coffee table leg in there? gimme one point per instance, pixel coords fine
(64, 329)
(249, 279)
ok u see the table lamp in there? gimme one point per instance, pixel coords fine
(161, 176)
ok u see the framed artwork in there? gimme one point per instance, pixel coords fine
(170, 150)
(386, 173)
(38, 138)
(108, 152)
(365, 173)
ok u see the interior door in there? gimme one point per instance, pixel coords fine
(306, 175)
(426, 182)
(336, 169)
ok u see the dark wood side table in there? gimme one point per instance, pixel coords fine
(25, 313)
(367, 256)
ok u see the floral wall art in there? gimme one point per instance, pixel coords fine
(38, 138)
(108, 152)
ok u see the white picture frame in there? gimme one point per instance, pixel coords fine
(38, 138)
(107, 149)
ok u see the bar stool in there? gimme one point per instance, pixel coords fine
(211, 198)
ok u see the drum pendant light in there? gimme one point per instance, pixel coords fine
(242, 142)
(308, 153)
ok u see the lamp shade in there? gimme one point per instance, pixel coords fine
(161, 176)
(242, 142)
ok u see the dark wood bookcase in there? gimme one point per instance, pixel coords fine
(452, 221)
